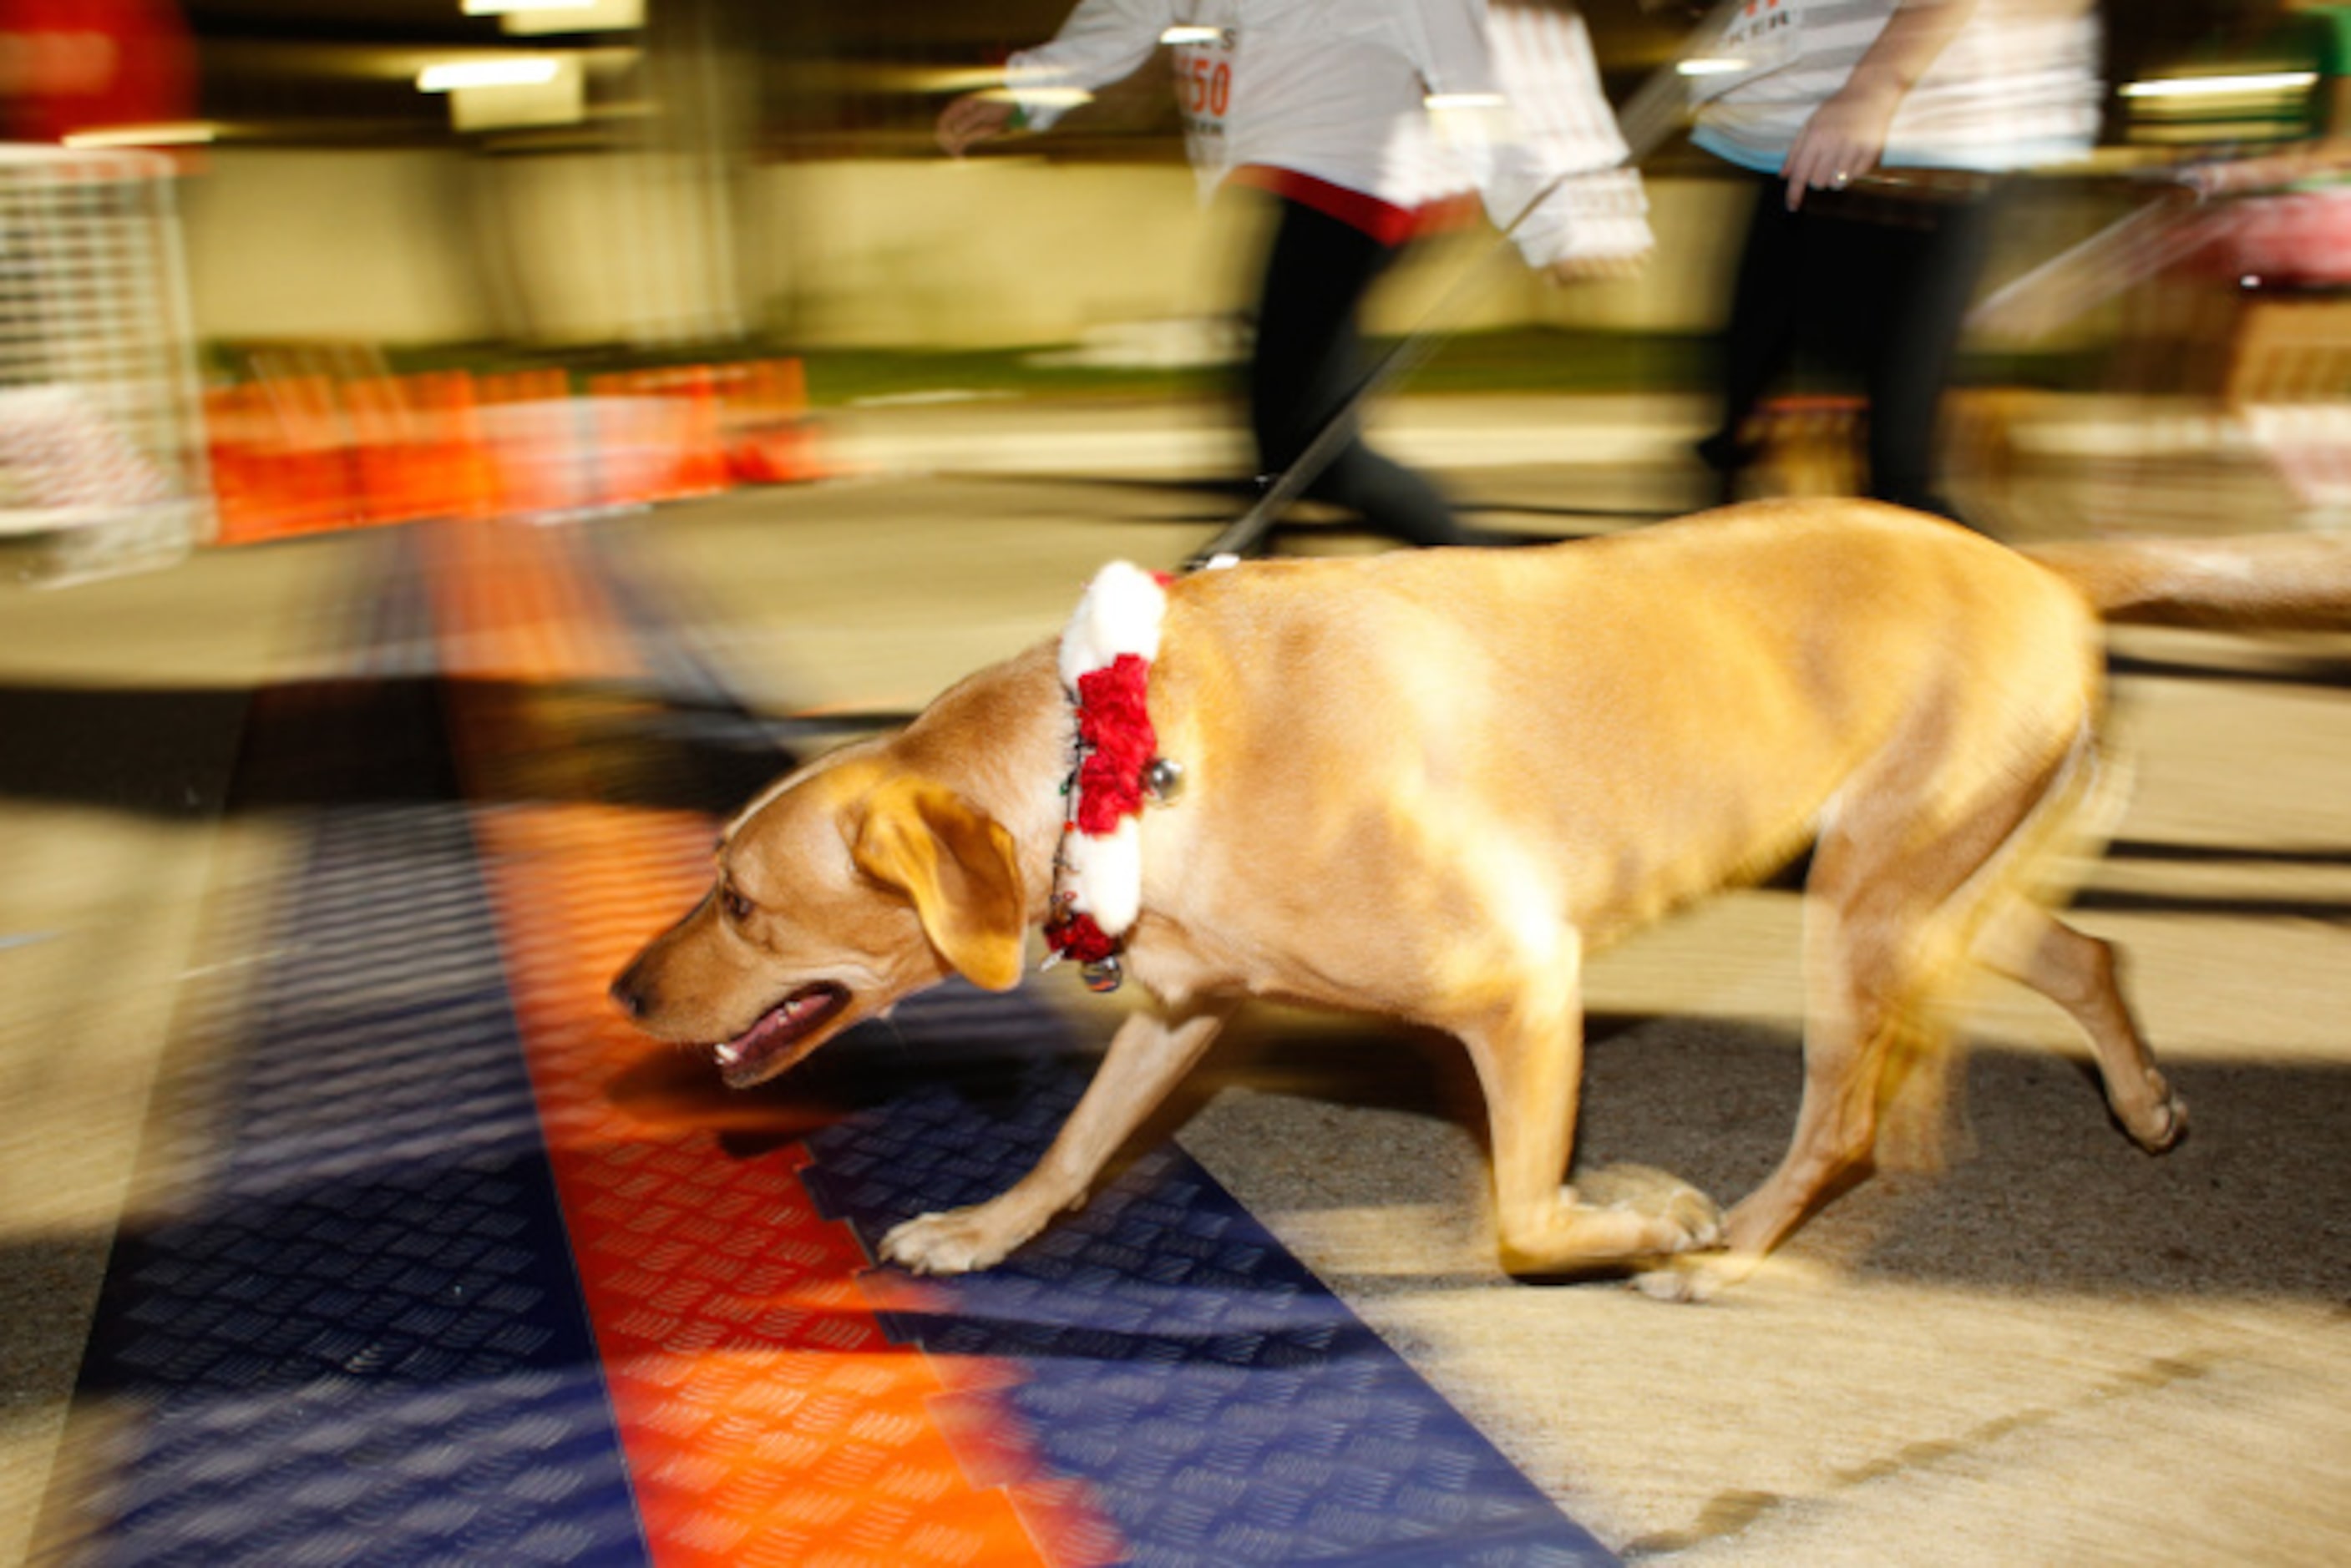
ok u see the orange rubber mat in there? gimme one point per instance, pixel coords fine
(765, 1415)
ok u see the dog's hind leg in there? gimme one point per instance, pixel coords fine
(2077, 971)
(1887, 910)
(1529, 1054)
(1855, 1002)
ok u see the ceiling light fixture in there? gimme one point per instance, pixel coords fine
(188, 133)
(2215, 87)
(533, 71)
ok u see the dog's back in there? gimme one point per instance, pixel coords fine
(1423, 784)
(1643, 717)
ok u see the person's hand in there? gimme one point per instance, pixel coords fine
(973, 119)
(1614, 268)
(1841, 141)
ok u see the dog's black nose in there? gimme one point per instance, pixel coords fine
(627, 998)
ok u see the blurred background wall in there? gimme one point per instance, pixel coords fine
(422, 246)
(707, 170)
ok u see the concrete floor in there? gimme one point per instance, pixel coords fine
(2048, 1349)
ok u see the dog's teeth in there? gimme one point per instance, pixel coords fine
(730, 1052)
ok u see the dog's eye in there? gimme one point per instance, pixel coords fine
(738, 908)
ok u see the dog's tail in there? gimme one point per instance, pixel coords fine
(2254, 582)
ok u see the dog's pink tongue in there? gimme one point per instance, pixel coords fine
(757, 1047)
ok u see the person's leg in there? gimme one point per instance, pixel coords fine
(1308, 362)
(1931, 278)
(1760, 335)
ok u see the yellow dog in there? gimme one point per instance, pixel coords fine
(1426, 785)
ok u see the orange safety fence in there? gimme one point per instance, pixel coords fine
(770, 437)
(309, 453)
(657, 435)
(281, 459)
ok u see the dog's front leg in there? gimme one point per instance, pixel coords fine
(1146, 1057)
(1529, 1061)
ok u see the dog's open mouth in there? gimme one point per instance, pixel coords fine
(784, 1034)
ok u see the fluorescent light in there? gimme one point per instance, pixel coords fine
(1183, 34)
(1705, 67)
(2214, 86)
(1048, 97)
(533, 71)
(532, 18)
(187, 133)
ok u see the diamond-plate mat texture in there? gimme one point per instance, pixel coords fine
(362, 1340)
(1217, 1405)
(1224, 1406)
(767, 1417)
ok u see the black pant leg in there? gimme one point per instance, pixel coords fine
(1932, 271)
(1759, 341)
(1307, 364)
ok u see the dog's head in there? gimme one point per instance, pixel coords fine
(845, 888)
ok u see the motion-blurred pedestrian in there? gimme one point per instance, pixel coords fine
(1367, 123)
(1877, 132)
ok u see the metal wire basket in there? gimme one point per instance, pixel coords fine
(102, 458)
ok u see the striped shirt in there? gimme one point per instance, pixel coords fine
(2017, 86)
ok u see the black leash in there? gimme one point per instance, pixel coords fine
(1650, 116)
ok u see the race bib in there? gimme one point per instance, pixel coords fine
(1207, 54)
(1762, 37)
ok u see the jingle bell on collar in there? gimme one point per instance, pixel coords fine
(1163, 780)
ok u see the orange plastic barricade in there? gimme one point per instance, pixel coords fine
(771, 438)
(535, 444)
(281, 459)
(388, 452)
(458, 469)
(416, 447)
(237, 430)
(657, 436)
(632, 442)
(702, 447)
(301, 453)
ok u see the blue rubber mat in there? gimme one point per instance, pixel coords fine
(1224, 1406)
(359, 1338)
(361, 1341)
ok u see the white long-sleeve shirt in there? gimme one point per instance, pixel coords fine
(1339, 92)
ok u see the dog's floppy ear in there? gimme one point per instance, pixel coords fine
(956, 865)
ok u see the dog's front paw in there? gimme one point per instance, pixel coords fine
(958, 1242)
(1682, 1280)
(1693, 1222)
(2163, 1122)
(1695, 1278)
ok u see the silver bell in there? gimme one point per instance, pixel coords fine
(1163, 780)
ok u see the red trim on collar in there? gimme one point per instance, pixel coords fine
(1114, 729)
